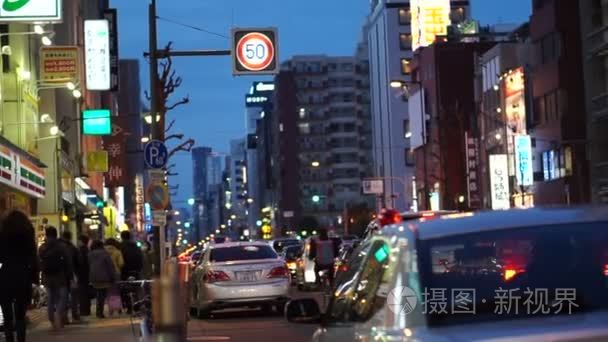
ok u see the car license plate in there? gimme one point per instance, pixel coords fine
(246, 276)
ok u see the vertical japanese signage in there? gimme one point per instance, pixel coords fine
(115, 145)
(472, 160)
(139, 203)
(499, 182)
(524, 172)
(515, 104)
(430, 18)
(111, 16)
(97, 54)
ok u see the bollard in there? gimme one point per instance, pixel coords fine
(168, 310)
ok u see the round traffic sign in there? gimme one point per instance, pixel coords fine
(156, 154)
(158, 195)
(255, 51)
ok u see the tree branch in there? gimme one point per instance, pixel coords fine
(183, 101)
(174, 136)
(186, 146)
(170, 126)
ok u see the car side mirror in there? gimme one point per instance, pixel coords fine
(304, 310)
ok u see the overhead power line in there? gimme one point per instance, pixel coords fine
(192, 27)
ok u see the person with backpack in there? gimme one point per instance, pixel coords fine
(102, 274)
(18, 271)
(323, 251)
(72, 279)
(56, 265)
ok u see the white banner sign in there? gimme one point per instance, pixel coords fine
(499, 182)
(97, 54)
(373, 186)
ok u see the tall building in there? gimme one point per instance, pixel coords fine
(201, 157)
(258, 103)
(331, 105)
(395, 29)
(238, 204)
(215, 170)
(448, 108)
(594, 23)
(558, 91)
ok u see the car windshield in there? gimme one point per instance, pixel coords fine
(293, 252)
(560, 269)
(238, 253)
(279, 245)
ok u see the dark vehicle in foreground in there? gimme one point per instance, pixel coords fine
(517, 275)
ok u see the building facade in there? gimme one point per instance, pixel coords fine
(201, 157)
(395, 28)
(238, 205)
(594, 25)
(333, 132)
(558, 123)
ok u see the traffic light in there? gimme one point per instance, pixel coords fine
(100, 204)
(316, 198)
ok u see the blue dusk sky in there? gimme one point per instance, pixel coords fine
(216, 112)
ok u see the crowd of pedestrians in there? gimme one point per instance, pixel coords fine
(72, 275)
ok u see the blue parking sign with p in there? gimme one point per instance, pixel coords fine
(156, 154)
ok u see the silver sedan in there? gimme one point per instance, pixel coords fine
(239, 274)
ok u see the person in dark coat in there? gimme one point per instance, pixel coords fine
(56, 265)
(72, 279)
(102, 274)
(18, 271)
(83, 276)
(133, 265)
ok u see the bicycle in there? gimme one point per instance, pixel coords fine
(141, 309)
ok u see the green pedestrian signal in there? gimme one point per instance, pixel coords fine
(316, 198)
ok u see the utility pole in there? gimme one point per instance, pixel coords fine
(159, 232)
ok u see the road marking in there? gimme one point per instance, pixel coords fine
(209, 338)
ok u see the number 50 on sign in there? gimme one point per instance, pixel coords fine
(254, 51)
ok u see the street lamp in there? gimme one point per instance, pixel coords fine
(191, 201)
(315, 164)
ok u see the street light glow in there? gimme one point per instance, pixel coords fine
(316, 198)
(190, 201)
(46, 41)
(54, 130)
(145, 139)
(498, 136)
(38, 29)
(315, 164)
(76, 93)
(396, 84)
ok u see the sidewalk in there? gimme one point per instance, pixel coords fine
(92, 330)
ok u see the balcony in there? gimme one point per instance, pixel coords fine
(598, 42)
(599, 107)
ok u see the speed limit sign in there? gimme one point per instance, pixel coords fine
(254, 51)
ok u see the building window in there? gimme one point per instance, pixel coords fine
(405, 66)
(406, 129)
(410, 159)
(405, 41)
(549, 48)
(405, 17)
(304, 128)
(457, 15)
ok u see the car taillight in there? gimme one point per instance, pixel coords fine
(606, 270)
(278, 272)
(291, 265)
(216, 276)
(390, 216)
(428, 215)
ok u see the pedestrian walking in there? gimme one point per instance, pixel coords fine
(148, 259)
(84, 289)
(56, 265)
(72, 279)
(132, 269)
(18, 271)
(113, 248)
(102, 274)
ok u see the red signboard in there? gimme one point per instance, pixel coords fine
(115, 144)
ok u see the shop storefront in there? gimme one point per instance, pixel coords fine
(21, 182)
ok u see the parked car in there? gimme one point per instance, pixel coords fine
(518, 275)
(279, 244)
(239, 274)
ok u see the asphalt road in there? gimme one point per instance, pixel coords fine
(250, 325)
